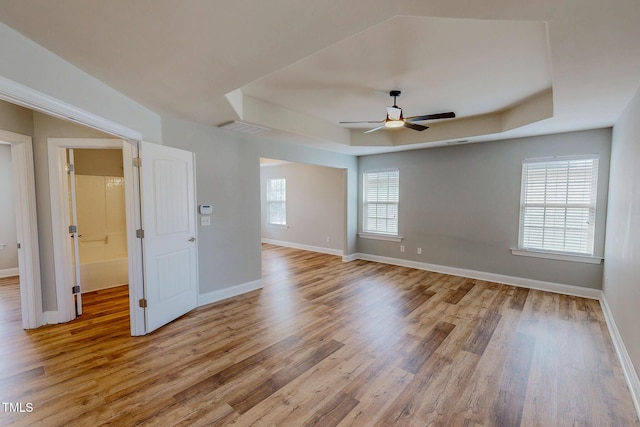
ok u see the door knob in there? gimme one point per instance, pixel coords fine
(193, 239)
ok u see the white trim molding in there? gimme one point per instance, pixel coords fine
(350, 257)
(328, 251)
(376, 236)
(222, 294)
(9, 272)
(24, 197)
(628, 369)
(39, 101)
(557, 256)
(522, 282)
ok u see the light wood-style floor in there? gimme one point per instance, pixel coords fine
(324, 343)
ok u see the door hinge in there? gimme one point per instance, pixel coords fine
(19, 246)
(73, 229)
(143, 303)
(70, 167)
(75, 289)
(137, 162)
(140, 233)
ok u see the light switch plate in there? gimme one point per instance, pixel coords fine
(205, 220)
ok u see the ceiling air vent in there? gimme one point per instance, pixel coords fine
(244, 127)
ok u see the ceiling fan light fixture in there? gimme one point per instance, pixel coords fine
(389, 123)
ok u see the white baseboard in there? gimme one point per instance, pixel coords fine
(350, 257)
(627, 365)
(522, 282)
(50, 317)
(222, 294)
(8, 272)
(319, 249)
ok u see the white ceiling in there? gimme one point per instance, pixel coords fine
(508, 68)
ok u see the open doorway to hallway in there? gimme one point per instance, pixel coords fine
(303, 206)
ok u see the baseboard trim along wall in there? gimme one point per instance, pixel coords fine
(222, 294)
(9, 272)
(522, 282)
(627, 366)
(320, 249)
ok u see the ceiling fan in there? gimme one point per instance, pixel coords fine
(395, 120)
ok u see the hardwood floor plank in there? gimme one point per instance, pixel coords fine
(323, 343)
(482, 333)
(249, 398)
(427, 347)
(508, 406)
(333, 412)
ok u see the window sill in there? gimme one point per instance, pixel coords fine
(557, 256)
(279, 226)
(385, 237)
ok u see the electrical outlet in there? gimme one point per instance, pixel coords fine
(401, 248)
(328, 239)
(205, 220)
(419, 251)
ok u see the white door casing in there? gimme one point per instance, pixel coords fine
(24, 196)
(169, 224)
(63, 253)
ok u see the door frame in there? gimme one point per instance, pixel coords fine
(59, 191)
(19, 94)
(24, 197)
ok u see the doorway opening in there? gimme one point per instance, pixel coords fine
(97, 207)
(303, 206)
(21, 238)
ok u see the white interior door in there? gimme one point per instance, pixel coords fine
(169, 224)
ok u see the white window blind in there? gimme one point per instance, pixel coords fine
(277, 201)
(381, 193)
(558, 204)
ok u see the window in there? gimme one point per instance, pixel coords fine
(558, 204)
(381, 193)
(277, 201)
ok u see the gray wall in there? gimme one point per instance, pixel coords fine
(228, 178)
(316, 198)
(16, 119)
(622, 253)
(460, 204)
(45, 127)
(8, 237)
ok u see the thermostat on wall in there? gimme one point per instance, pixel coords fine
(206, 210)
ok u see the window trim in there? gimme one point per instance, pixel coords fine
(268, 202)
(551, 254)
(371, 234)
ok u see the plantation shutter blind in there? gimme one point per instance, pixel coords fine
(381, 196)
(558, 204)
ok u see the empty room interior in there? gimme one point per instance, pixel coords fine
(320, 213)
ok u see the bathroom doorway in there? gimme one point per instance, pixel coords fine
(97, 198)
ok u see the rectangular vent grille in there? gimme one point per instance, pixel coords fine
(244, 127)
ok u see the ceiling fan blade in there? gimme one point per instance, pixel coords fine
(394, 113)
(375, 129)
(449, 115)
(377, 121)
(415, 126)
